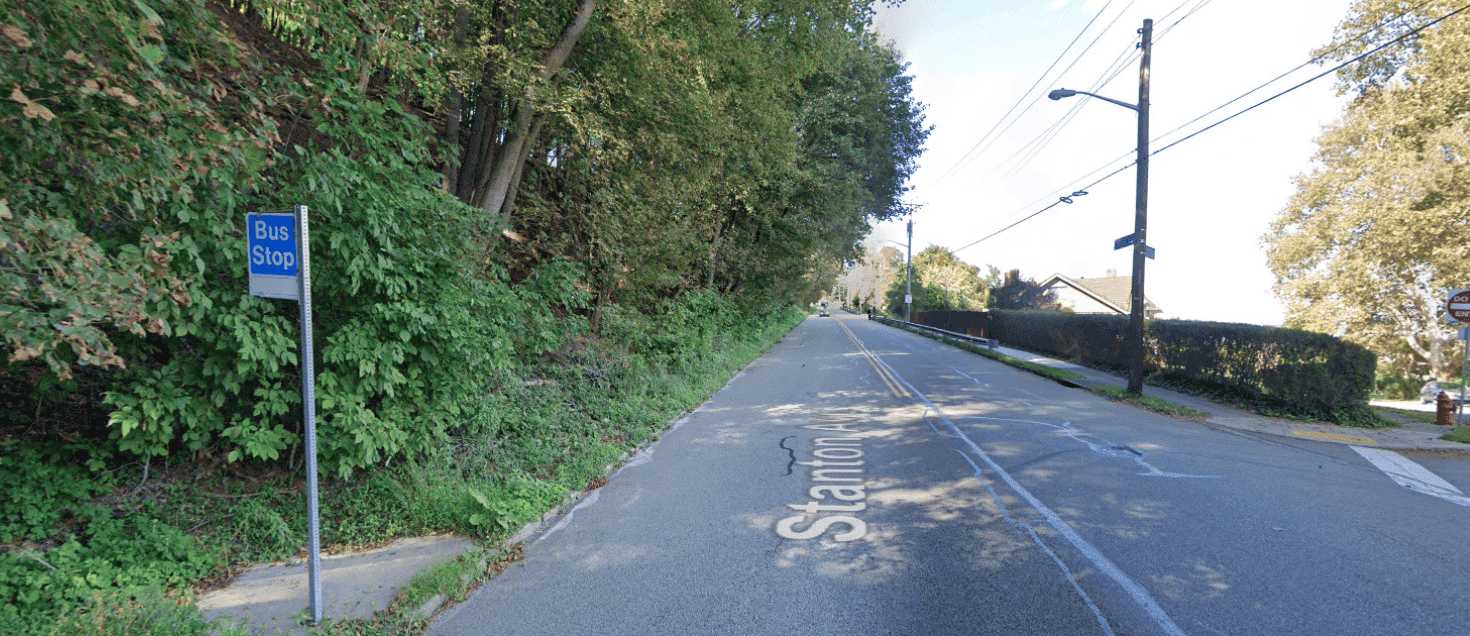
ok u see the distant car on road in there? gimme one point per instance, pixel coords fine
(1430, 392)
(822, 314)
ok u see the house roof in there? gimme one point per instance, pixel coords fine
(1114, 291)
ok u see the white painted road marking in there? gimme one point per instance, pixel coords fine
(1098, 559)
(1411, 475)
(590, 499)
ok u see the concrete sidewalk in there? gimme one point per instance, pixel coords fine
(269, 599)
(1413, 436)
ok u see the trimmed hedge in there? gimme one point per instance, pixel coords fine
(1308, 373)
(971, 323)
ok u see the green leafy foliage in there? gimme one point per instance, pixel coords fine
(1372, 241)
(941, 282)
(514, 503)
(112, 127)
(43, 488)
(111, 556)
(1299, 371)
(405, 326)
(133, 612)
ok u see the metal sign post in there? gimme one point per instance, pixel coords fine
(278, 249)
(1464, 366)
(1457, 309)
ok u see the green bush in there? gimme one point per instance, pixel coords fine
(110, 555)
(1306, 373)
(41, 489)
(1321, 376)
(404, 331)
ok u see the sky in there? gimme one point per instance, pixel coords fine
(1210, 199)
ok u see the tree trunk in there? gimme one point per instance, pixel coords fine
(456, 108)
(515, 177)
(714, 253)
(513, 153)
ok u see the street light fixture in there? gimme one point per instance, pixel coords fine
(1140, 216)
(1067, 92)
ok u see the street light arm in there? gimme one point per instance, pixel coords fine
(1065, 92)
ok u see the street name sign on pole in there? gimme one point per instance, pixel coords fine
(278, 249)
(1124, 241)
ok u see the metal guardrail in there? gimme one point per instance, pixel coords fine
(988, 342)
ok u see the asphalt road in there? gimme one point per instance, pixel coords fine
(858, 479)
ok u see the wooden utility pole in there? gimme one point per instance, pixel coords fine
(1136, 347)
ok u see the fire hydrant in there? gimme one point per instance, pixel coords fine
(1444, 410)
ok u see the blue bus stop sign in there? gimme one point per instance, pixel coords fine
(272, 244)
(274, 257)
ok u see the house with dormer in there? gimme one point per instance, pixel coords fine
(1111, 294)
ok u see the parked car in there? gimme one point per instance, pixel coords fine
(1430, 392)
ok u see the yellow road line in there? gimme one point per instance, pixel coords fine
(1336, 437)
(888, 378)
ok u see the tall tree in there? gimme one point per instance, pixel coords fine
(736, 147)
(1022, 293)
(941, 282)
(873, 275)
(1374, 236)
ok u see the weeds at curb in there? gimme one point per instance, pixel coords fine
(1156, 404)
(1459, 434)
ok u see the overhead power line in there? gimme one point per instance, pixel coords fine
(1354, 60)
(1298, 67)
(1113, 72)
(1360, 35)
(975, 149)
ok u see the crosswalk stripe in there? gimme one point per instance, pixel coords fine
(1411, 475)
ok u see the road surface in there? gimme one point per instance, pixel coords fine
(858, 479)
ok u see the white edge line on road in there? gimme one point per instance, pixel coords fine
(1410, 475)
(986, 385)
(1102, 621)
(590, 499)
(1103, 564)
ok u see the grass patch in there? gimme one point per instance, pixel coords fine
(1150, 402)
(1459, 434)
(1392, 413)
(139, 611)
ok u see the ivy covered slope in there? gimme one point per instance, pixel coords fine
(516, 207)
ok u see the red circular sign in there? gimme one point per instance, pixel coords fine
(1459, 306)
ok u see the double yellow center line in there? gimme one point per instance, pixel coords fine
(883, 372)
